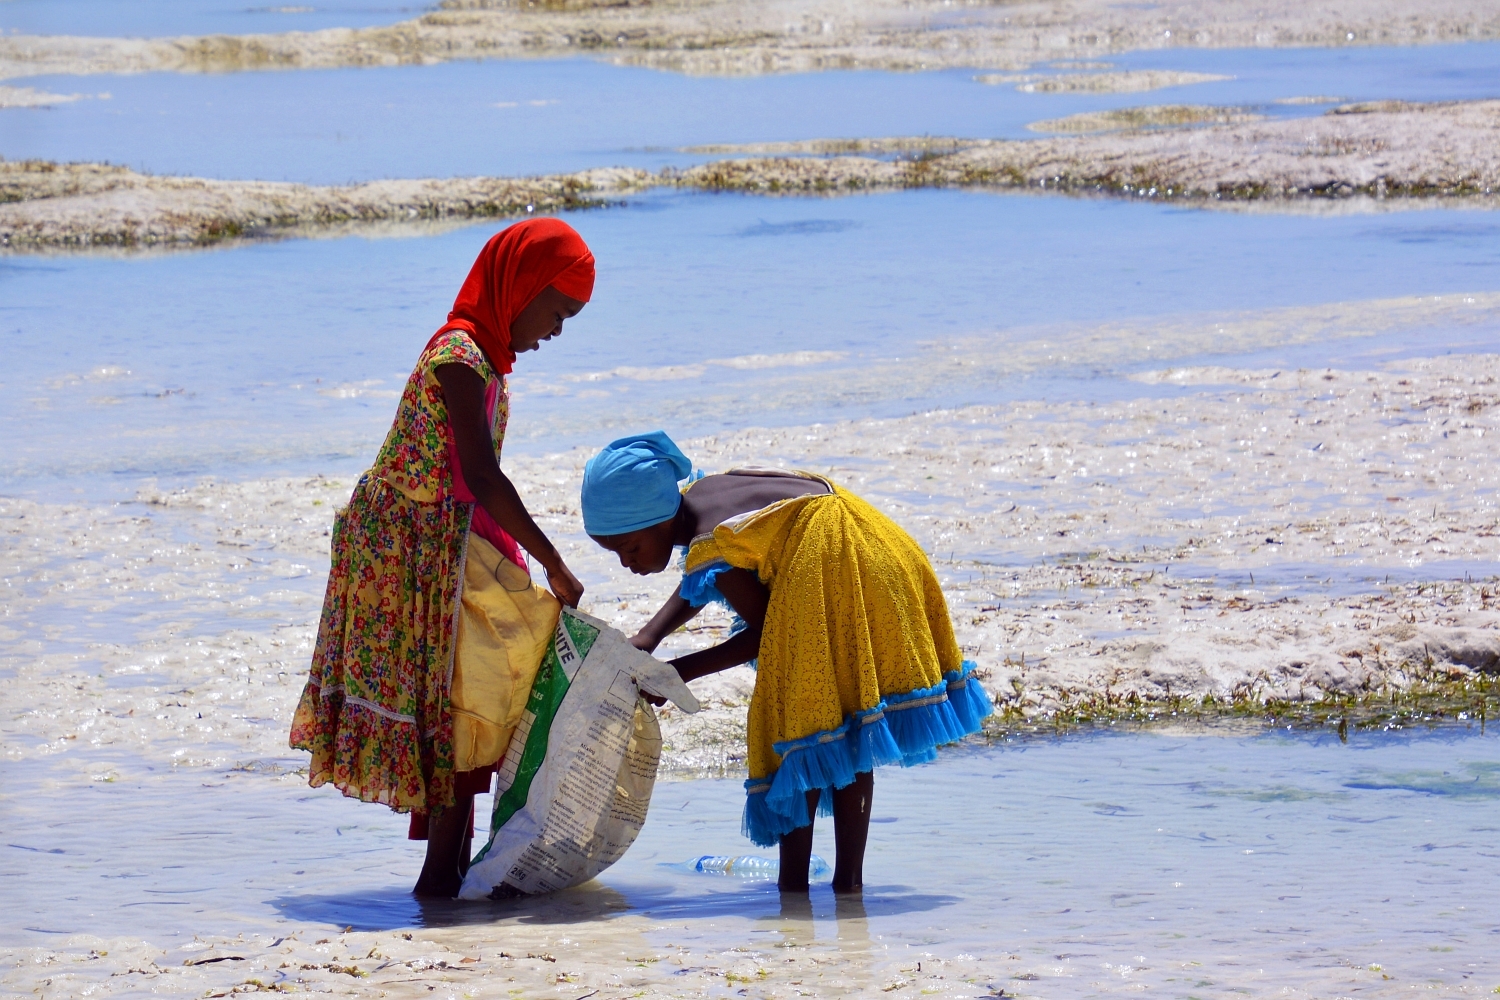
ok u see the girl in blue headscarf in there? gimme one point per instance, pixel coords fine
(856, 660)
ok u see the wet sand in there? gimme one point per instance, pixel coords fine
(1271, 537)
(1375, 150)
(1389, 153)
(723, 37)
(1129, 82)
(79, 205)
(30, 97)
(1148, 116)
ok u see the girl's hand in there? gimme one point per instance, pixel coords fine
(644, 642)
(653, 699)
(565, 586)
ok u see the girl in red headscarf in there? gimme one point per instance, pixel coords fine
(427, 593)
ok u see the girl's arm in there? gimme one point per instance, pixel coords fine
(463, 389)
(749, 598)
(673, 615)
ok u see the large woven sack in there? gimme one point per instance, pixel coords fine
(576, 780)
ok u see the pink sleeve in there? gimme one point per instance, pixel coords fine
(483, 524)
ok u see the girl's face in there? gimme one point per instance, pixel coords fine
(643, 552)
(542, 319)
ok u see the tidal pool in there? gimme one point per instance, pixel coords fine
(1353, 73)
(162, 18)
(1203, 863)
(711, 312)
(526, 117)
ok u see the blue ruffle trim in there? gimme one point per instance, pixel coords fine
(698, 587)
(764, 825)
(903, 729)
(971, 702)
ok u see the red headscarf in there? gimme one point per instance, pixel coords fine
(514, 266)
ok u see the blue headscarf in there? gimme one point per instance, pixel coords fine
(632, 484)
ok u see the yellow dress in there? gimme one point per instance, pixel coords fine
(857, 664)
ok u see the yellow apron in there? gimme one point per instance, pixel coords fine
(504, 624)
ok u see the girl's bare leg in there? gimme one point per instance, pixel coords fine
(851, 829)
(796, 852)
(447, 835)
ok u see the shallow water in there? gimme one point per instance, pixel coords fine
(160, 18)
(1357, 73)
(1231, 860)
(525, 117)
(287, 356)
(499, 118)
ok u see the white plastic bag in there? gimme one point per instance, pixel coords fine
(576, 780)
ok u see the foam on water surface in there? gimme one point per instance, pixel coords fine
(289, 356)
(1213, 862)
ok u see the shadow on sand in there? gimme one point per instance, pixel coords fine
(396, 908)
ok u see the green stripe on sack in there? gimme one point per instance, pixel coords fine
(581, 632)
(565, 654)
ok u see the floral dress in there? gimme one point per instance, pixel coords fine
(375, 713)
